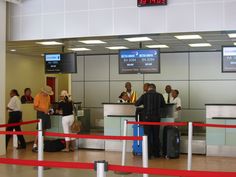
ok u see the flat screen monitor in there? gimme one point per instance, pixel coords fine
(60, 63)
(134, 61)
(69, 63)
(229, 59)
(52, 63)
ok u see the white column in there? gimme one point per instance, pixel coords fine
(2, 71)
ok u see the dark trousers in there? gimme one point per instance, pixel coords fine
(153, 132)
(15, 117)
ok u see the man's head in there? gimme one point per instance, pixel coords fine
(145, 87)
(175, 93)
(128, 86)
(152, 87)
(168, 89)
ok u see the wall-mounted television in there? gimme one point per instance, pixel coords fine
(60, 63)
(229, 59)
(134, 61)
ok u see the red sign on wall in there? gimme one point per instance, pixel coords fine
(151, 2)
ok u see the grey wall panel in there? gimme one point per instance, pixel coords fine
(174, 66)
(79, 76)
(117, 87)
(193, 115)
(96, 67)
(96, 115)
(96, 93)
(114, 71)
(207, 65)
(77, 91)
(182, 86)
(203, 92)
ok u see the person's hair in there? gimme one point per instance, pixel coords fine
(152, 86)
(27, 89)
(122, 94)
(146, 84)
(176, 91)
(15, 92)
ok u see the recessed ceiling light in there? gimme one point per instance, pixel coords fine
(157, 46)
(232, 35)
(49, 43)
(13, 50)
(235, 43)
(186, 37)
(138, 39)
(79, 49)
(93, 42)
(200, 45)
(117, 47)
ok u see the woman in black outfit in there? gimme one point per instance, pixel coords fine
(15, 116)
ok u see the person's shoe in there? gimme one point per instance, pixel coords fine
(65, 150)
(34, 149)
(21, 147)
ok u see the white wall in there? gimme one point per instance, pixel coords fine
(2, 70)
(43, 19)
(196, 75)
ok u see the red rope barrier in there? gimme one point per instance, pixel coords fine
(168, 172)
(19, 133)
(47, 163)
(94, 136)
(132, 169)
(160, 123)
(18, 124)
(214, 125)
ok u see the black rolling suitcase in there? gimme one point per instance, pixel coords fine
(171, 142)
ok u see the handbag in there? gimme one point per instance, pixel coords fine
(76, 126)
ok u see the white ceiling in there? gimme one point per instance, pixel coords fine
(216, 39)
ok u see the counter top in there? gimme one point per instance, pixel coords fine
(119, 103)
(218, 104)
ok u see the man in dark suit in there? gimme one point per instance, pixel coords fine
(153, 102)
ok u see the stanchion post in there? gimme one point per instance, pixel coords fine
(145, 153)
(124, 144)
(190, 138)
(101, 167)
(40, 147)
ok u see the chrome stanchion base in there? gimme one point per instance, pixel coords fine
(122, 173)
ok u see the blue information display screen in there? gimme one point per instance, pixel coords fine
(139, 61)
(229, 59)
(52, 63)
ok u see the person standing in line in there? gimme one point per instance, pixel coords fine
(42, 106)
(15, 116)
(66, 109)
(167, 96)
(27, 98)
(123, 98)
(176, 100)
(153, 102)
(131, 93)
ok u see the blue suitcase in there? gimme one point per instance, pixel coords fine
(137, 145)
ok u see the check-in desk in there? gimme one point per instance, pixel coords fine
(114, 116)
(221, 141)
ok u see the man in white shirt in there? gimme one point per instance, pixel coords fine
(176, 100)
(167, 96)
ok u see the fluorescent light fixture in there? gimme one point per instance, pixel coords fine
(117, 47)
(186, 37)
(138, 39)
(157, 46)
(13, 50)
(49, 43)
(235, 43)
(200, 45)
(93, 42)
(79, 49)
(232, 35)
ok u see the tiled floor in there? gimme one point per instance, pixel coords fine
(199, 163)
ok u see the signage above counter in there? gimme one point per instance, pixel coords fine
(143, 3)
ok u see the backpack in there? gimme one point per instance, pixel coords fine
(54, 145)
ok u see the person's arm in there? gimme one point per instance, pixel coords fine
(11, 104)
(23, 100)
(163, 102)
(178, 105)
(139, 102)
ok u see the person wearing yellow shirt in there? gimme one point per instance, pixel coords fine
(131, 93)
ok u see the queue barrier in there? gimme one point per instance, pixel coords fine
(102, 166)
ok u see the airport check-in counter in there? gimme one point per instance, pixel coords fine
(221, 141)
(114, 116)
